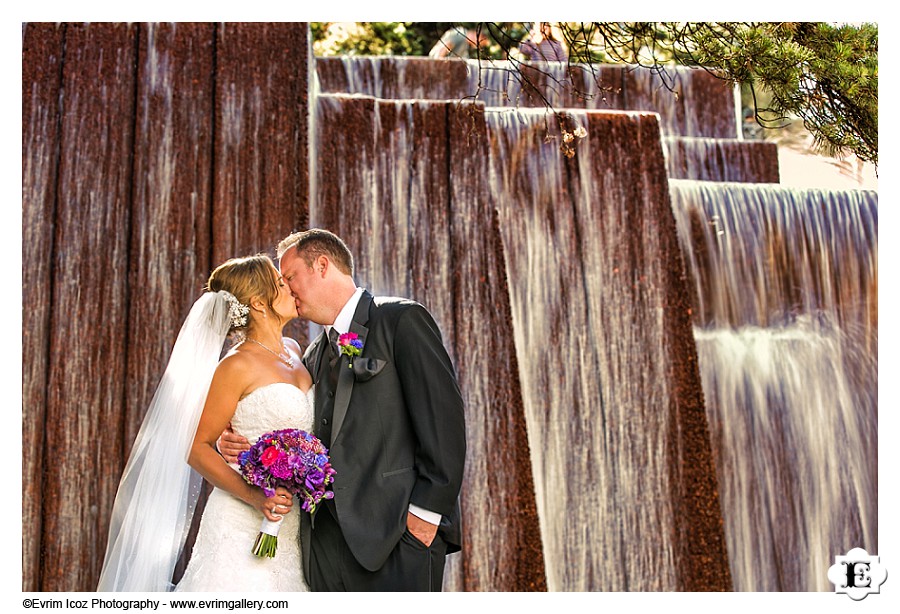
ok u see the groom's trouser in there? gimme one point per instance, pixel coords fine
(411, 566)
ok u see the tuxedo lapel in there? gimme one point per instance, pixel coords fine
(315, 359)
(345, 375)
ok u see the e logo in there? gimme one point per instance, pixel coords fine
(857, 574)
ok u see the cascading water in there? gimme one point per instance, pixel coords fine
(786, 329)
(690, 102)
(783, 302)
(708, 159)
(598, 481)
(681, 96)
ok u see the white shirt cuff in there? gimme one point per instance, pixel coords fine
(426, 515)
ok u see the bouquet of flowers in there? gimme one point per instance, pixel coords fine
(295, 460)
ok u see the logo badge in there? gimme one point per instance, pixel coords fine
(857, 574)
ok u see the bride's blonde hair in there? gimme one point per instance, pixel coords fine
(247, 278)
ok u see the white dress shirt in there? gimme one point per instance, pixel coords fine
(342, 325)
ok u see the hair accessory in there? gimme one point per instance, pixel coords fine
(237, 311)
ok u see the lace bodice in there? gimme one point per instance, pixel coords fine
(272, 407)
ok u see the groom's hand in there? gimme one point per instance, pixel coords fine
(230, 445)
(422, 530)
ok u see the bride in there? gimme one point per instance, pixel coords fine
(260, 385)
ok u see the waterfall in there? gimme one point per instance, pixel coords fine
(734, 160)
(786, 329)
(576, 331)
(690, 102)
(683, 354)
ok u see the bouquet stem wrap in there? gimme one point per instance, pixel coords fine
(267, 540)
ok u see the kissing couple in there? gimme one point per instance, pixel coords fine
(389, 412)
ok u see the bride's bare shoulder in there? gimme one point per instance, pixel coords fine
(236, 364)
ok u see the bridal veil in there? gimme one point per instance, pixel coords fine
(158, 491)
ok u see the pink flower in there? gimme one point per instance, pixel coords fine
(347, 338)
(269, 456)
(350, 345)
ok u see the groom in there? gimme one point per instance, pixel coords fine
(392, 418)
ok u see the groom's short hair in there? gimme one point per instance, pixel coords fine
(315, 242)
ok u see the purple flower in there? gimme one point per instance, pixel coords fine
(314, 479)
(281, 468)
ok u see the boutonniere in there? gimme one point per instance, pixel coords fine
(350, 345)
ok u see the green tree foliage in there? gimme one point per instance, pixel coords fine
(824, 74)
(407, 37)
(376, 37)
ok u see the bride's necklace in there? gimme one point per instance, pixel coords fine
(288, 361)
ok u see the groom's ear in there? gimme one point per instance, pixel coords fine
(321, 264)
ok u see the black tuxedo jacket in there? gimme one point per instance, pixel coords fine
(397, 430)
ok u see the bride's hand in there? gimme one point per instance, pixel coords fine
(276, 506)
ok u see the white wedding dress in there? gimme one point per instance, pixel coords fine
(222, 560)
